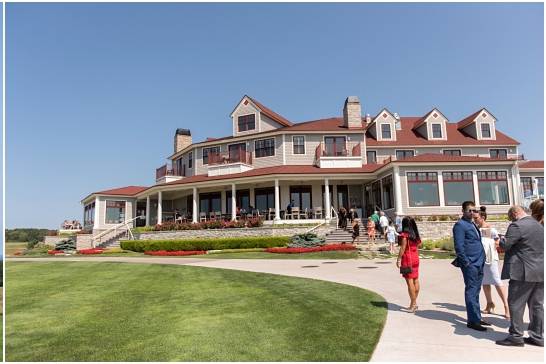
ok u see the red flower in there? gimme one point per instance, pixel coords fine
(53, 252)
(91, 251)
(176, 253)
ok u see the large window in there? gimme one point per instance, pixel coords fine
(301, 195)
(453, 152)
(210, 151)
(401, 154)
(335, 146)
(458, 188)
(493, 188)
(527, 186)
(209, 202)
(246, 122)
(264, 147)
(89, 214)
(298, 143)
(498, 153)
(386, 131)
(242, 200)
(179, 167)
(264, 198)
(486, 130)
(436, 130)
(115, 212)
(423, 189)
(371, 156)
(388, 193)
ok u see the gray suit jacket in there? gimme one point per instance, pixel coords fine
(524, 247)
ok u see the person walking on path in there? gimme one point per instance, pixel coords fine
(375, 218)
(491, 275)
(371, 232)
(408, 259)
(537, 210)
(384, 223)
(471, 259)
(391, 237)
(524, 266)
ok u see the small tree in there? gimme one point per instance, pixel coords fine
(66, 244)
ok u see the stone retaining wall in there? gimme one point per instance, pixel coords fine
(229, 233)
(83, 241)
(442, 229)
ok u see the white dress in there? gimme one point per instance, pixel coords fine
(491, 273)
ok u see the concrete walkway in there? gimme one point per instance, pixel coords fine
(437, 332)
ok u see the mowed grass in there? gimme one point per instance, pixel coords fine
(85, 311)
(13, 247)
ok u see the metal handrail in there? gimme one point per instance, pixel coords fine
(115, 228)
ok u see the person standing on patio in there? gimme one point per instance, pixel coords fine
(356, 231)
(524, 266)
(384, 223)
(408, 259)
(471, 259)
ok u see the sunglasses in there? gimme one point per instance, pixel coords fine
(473, 211)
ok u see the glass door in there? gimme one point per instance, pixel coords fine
(236, 152)
(335, 146)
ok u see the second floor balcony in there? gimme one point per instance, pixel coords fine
(339, 154)
(164, 174)
(235, 161)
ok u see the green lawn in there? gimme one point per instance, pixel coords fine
(13, 247)
(84, 311)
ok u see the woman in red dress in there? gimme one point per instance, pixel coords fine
(409, 257)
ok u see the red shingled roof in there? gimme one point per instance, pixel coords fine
(270, 113)
(531, 164)
(407, 136)
(122, 191)
(330, 124)
(468, 120)
(435, 157)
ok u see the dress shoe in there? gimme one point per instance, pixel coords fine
(508, 342)
(530, 341)
(476, 326)
(484, 323)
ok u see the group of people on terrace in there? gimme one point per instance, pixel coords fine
(477, 246)
(71, 225)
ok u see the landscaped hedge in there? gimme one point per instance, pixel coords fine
(205, 244)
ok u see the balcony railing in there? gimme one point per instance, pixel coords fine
(338, 150)
(164, 170)
(239, 156)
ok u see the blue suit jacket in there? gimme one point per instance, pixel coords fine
(468, 243)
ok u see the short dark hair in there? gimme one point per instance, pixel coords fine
(468, 203)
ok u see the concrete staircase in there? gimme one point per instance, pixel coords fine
(112, 240)
(338, 236)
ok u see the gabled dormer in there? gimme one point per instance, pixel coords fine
(432, 126)
(480, 125)
(383, 126)
(251, 117)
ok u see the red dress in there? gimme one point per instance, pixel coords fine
(411, 255)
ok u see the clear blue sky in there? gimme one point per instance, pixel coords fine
(95, 91)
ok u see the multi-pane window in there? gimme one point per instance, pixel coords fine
(264, 198)
(371, 156)
(493, 188)
(179, 167)
(458, 188)
(386, 131)
(486, 130)
(423, 189)
(401, 154)
(190, 160)
(89, 214)
(540, 186)
(264, 147)
(527, 186)
(242, 200)
(453, 152)
(246, 122)
(335, 146)
(301, 195)
(209, 152)
(436, 130)
(298, 143)
(498, 153)
(209, 202)
(115, 212)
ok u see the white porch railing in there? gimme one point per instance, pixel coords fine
(122, 226)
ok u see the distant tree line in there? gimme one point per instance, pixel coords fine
(27, 235)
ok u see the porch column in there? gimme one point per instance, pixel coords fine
(441, 195)
(475, 183)
(381, 194)
(517, 196)
(277, 201)
(147, 210)
(194, 210)
(159, 208)
(96, 222)
(397, 190)
(233, 202)
(328, 213)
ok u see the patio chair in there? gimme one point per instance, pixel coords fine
(295, 214)
(271, 213)
(317, 212)
(202, 216)
(304, 214)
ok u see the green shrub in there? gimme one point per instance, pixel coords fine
(66, 244)
(306, 240)
(237, 251)
(427, 244)
(447, 244)
(205, 244)
(443, 218)
(113, 251)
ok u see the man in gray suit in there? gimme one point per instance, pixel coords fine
(524, 266)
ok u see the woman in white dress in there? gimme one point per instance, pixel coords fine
(491, 274)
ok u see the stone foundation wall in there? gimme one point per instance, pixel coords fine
(229, 233)
(442, 229)
(83, 241)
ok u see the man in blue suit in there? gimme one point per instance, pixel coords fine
(470, 258)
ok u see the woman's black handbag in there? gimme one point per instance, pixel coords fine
(408, 269)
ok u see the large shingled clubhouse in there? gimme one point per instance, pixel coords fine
(423, 165)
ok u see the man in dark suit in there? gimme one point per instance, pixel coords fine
(470, 258)
(524, 266)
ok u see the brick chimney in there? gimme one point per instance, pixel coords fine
(352, 113)
(182, 138)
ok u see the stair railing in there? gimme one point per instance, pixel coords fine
(114, 229)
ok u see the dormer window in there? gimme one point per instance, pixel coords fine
(437, 131)
(486, 130)
(385, 131)
(498, 153)
(246, 122)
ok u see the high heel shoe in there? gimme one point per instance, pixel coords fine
(412, 309)
(489, 308)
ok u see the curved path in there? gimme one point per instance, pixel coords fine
(437, 332)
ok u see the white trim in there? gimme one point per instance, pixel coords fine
(380, 125)
(407, 189)
(510, 197)
(432, 131)
(304, 144)
(397, 190)
(124, 213)
(274, 147)
(479, 130)
(459, 149)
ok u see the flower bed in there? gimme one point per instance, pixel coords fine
(324, 248)
(53, 252)
(176, 252)
(91, 251)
